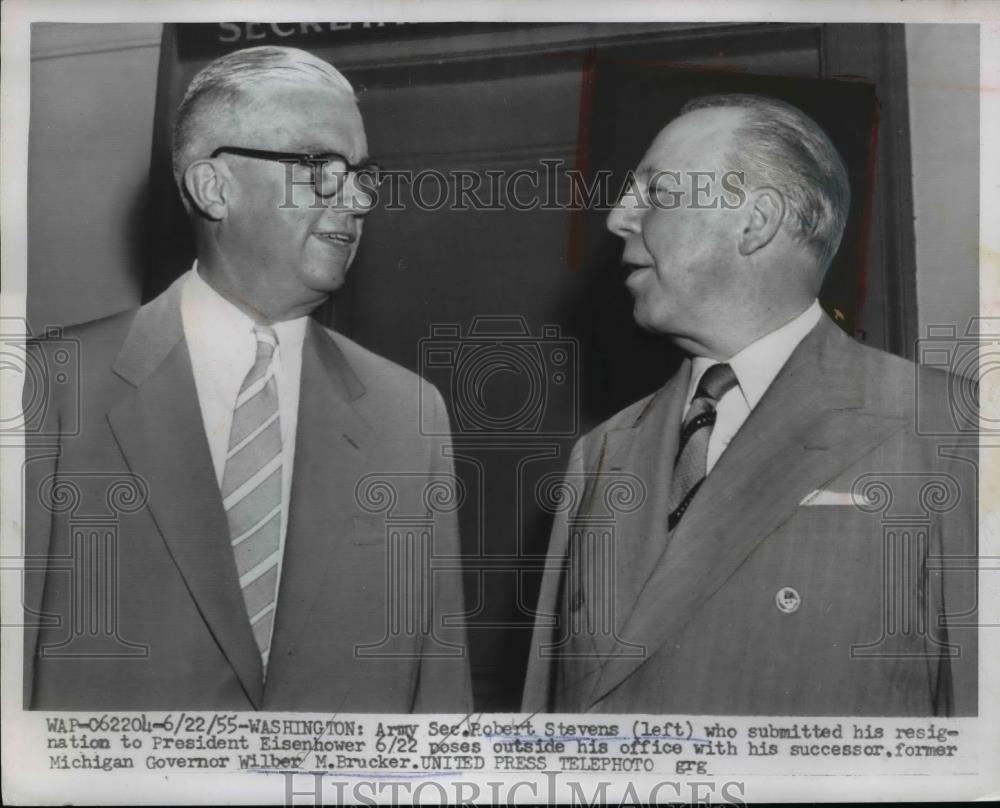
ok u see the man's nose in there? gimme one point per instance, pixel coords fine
(624, 220)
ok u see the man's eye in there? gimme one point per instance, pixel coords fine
(655, 192)
(334, 166)
(665, 193)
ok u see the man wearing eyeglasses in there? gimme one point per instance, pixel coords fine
(267, 458)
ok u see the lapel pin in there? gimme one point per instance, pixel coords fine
(787, 600)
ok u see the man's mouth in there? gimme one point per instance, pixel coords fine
(336, 237)
(631, 268)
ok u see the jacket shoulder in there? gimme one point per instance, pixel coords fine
(376, 372)
(65, 364)
(903, 387)
(111, 329)
(85, 348)
(590, 443)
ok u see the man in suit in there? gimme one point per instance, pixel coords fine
(769, 533)
(262, 493)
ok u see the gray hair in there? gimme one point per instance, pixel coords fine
(215, 91)
(781, 147)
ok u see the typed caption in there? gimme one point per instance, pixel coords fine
(424, 746)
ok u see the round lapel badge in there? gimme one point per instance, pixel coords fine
(788, 600)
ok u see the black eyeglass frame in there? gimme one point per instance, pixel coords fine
(369, 168)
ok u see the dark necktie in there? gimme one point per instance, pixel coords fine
(692, 452)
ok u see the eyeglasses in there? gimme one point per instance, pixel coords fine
(329, 170)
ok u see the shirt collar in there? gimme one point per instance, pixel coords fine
(757, 365)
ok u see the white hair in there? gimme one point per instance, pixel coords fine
(212, 98)
(778, 145)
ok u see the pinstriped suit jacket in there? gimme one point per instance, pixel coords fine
(877, 620)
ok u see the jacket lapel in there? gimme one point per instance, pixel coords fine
(610, 547)
(331, 449)
(658, 432)
(809, 426)
(645, 450)
(158, 427)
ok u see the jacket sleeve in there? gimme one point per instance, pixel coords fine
(42, 448)
(953, 577)
(443, 681)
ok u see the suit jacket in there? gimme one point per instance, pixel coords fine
(133, 599)
(857, 602)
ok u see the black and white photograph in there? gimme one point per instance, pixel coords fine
(559, 401)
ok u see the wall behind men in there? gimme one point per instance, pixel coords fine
(943, 77)
(93, 88)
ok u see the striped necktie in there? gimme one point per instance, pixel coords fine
(692, 453)
(251, 489)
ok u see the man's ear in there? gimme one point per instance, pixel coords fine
(767, 210)
(207, 186)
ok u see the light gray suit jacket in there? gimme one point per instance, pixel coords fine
(120, 473)
(876, 622)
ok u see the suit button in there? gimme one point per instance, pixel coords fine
(787, 600)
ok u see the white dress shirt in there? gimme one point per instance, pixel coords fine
(222, 348)
(756, 366)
